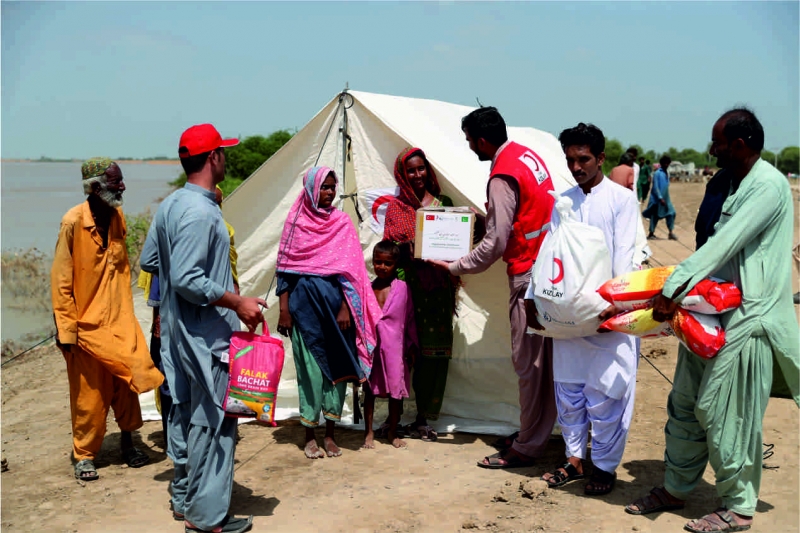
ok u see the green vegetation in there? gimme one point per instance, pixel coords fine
(245, 158)
(138, 226)
(45, 159)
(789, 160)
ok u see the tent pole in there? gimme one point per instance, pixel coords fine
(345, 138)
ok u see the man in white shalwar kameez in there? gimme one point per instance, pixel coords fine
(595, 377)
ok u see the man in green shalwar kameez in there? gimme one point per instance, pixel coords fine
(717, 406)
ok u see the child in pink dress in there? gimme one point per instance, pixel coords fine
(396, 346)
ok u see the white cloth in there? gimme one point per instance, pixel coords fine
(636, 169)
(580, 408)
(605, 361)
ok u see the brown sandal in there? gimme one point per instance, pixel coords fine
(657, 501)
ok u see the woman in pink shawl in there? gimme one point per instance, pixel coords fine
(326, 305)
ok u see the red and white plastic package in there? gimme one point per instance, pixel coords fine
(702, 334)
(712, 296)
(634, 290)
(638, 323)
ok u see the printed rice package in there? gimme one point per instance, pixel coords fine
(256, 363)
(712, 296)
(702, 334)
(573, 262)
(634, 290)
(639, 323)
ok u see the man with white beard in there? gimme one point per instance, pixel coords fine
(108, 363)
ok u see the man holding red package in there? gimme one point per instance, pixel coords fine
(717, 405)
(188, 247)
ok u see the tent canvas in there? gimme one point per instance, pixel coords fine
(359, 135)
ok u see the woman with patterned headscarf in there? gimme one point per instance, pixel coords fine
(432, 291)
(327, 305)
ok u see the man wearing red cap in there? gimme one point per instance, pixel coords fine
(188, 247)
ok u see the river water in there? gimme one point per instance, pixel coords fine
(34, 198)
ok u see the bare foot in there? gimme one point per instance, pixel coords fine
(721, 520)
(397, 442)
(331, 448)
(312, 451)
(369, 441)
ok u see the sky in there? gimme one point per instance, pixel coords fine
(124, 79)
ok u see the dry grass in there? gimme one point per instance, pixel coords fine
(26, 279)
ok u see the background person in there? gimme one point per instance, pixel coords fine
(660, 205)
(108, 364)
(645, 178)
(622, 174)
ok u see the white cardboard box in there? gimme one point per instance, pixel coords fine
(444, 233)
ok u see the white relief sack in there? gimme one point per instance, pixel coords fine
(573, 263)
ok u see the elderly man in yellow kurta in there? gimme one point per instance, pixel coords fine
(108, 363)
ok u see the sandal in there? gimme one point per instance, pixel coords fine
(426, 433)
(728, 523)
(504, 443)
(229, 525)
(562, 475)
(383, 431)
(657, 501)
(605, 480)
(506, 459)
(134, 457)
(85, 470)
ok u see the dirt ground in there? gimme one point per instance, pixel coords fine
(429, 487)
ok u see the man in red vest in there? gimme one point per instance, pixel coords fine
(517, 218)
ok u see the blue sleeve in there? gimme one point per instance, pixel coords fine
(148, 261)
(658, 183)
(286, 283)
(190, 251)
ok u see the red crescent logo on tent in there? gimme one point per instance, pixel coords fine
(385, 199)
(560, 276)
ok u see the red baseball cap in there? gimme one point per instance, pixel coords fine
(200, 139)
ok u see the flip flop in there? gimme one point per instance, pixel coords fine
(134, 457)
(505, 459)
(560, 478)
(85, 470)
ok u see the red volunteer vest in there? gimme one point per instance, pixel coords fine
(532, 219)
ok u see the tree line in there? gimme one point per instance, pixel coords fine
(788, 159)
(245, 158)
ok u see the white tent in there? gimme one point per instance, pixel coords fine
(359, 135)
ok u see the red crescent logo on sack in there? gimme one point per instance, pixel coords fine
(560, 276)
(379, 202)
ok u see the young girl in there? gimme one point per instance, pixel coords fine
(396, 344)
(326, 305)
